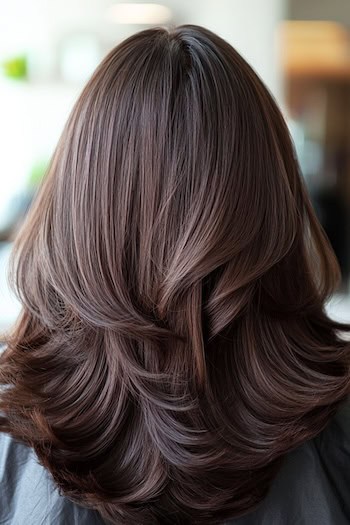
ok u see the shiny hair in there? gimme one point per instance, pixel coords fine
(173, 344)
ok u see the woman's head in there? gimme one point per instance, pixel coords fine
(173, 343)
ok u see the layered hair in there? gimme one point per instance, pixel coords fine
(173, 344)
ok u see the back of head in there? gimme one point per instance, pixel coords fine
(173, 344)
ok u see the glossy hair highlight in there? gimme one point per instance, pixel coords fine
(173, 344)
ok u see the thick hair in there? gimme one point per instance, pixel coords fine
(173, 344)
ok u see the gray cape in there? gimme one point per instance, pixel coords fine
(312, 487)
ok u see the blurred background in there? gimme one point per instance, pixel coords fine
(300, 48)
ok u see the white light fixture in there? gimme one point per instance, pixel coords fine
(126, 13)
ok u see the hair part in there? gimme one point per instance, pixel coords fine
(173, 344)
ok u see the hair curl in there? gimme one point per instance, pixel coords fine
(173, 344)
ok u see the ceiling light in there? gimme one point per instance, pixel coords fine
(139, 13)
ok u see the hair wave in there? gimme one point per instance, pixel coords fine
(173, 344)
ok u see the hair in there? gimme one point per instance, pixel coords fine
(173, 343)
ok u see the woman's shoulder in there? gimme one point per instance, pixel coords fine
(313, 484)
(29, 496)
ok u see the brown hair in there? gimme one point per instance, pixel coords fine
(173, 344)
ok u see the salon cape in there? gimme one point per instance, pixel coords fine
(311, 488)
